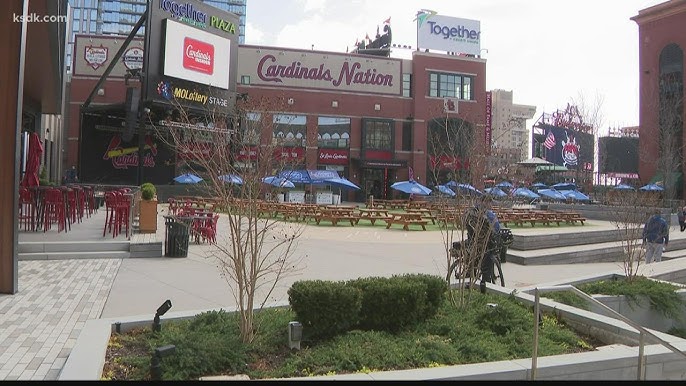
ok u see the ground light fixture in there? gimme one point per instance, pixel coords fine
(156, 360)
(160, 311)
(295, 335)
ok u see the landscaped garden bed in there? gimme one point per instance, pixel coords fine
(490, 327)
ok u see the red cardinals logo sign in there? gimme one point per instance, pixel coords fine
(570, 151)
(123, 157)
(198, 56)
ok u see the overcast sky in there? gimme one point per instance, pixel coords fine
(548, 52)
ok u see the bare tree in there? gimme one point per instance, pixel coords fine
(629, 215)
(257, 251)
(457, 154)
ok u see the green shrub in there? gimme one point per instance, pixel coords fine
(325, 308)
(148, 191)
(390, 304)
(436, 288)
(662, 296)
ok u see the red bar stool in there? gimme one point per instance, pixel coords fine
(110, 212)
(27, 209)
(123, 212)
(54, 209)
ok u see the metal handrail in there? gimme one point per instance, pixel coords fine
(641, 371)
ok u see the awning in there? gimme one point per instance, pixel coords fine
(551, 168)
(381, 164)
(676, 179)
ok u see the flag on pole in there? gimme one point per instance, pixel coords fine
(366, 37)
(387, 21)
(411, 173)
(549, 141)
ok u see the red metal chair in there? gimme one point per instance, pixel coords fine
(208, 229)
(173, 206)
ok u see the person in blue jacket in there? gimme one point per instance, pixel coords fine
(655, 237)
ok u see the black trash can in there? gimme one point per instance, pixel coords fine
(176, 237)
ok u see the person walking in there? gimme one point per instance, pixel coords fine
(655, 237)
(681, 215)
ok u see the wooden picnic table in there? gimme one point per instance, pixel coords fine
(407, 219)
(334, 215)
(426, 213)
(373, 214)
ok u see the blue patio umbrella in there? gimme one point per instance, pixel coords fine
(539, 185)
(623, 187)
(495, 192)
(504, 184)
(231, 179)
(565, 186)
(187, 178)
(465, 188)
(279, 182)
(411, 187)
(552, 194)
(576, 195)
(652, 188)
(526, 193)
(342, 182)
(446, 190)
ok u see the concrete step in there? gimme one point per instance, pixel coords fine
(584, 235)
(74, 255)
(590, 253)
(146, 250)
(73, 246)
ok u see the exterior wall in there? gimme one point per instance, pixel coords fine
(658, 26)
(314, 100)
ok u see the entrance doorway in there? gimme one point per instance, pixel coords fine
(377, 182)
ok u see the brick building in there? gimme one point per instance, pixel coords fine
(662, 38)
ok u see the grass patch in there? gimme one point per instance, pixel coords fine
(492, 328)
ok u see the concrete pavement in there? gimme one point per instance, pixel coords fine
(42, 321)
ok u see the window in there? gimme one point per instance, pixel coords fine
(377, 135)
(333, 132)
(407, 85)
(245, 79)
(407, 136)
(250, 128)
(289, 130)
(450, 85)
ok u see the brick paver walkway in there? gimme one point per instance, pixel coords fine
(41, 322)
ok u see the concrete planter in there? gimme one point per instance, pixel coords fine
(147, 220)
(616, 361)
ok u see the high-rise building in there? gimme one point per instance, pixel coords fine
(508, 124)
(117, 17)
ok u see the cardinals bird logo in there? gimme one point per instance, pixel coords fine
(570, 151)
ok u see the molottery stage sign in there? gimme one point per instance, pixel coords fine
(192, 58)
